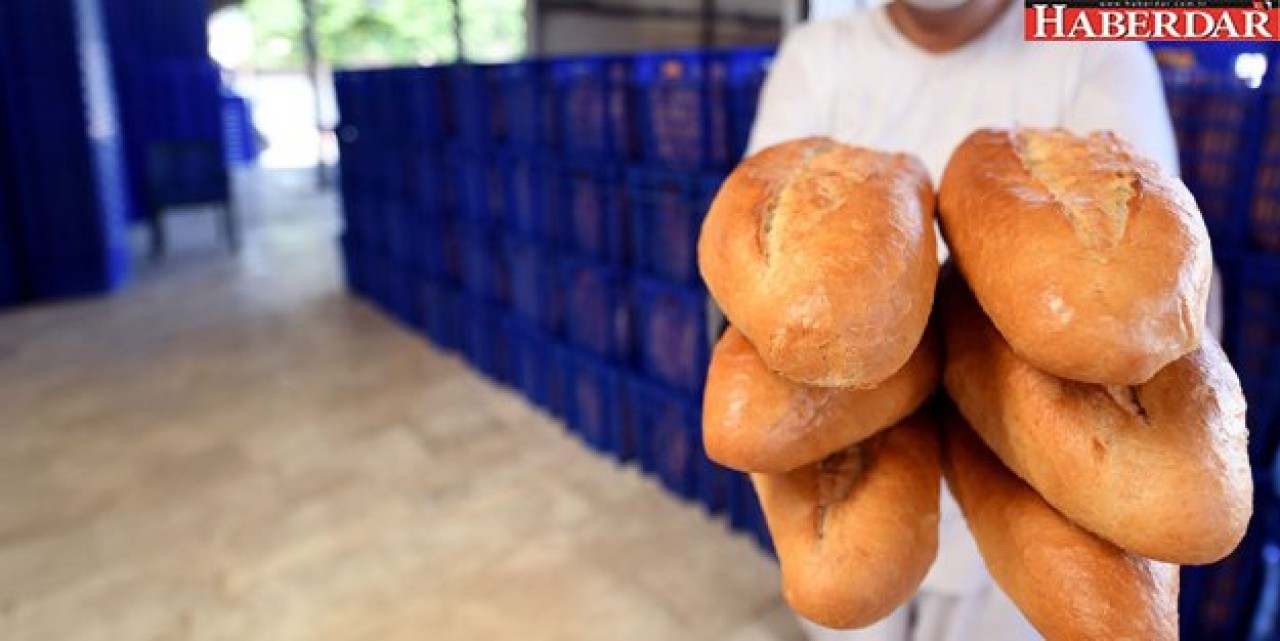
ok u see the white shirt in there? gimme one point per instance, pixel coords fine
(858, 80)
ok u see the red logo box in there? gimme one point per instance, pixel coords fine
(1187, 20)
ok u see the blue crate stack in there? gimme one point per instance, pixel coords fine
(238, 133)
(1229, 139)
(540, 218)
(63, 197)
(171, 105)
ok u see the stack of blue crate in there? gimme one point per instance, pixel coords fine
(401, 244)
(238, 133)
(9, 277)
(1229, 140)
(170, 103)
(541, 218)
(63, 198)
(693, 111)
(1254, 309)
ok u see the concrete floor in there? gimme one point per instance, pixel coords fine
(234, 449)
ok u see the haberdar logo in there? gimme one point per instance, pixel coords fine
(1153, 20)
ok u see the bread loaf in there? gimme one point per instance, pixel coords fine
(823, 256)
(856, 532)
(1160, 469)
(1093, 263)
(757, 421)
(1069, 583)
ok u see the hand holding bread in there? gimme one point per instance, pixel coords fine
(1108, 437)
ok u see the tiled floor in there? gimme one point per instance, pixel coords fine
(234, 449)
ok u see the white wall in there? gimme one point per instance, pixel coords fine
(577, 32)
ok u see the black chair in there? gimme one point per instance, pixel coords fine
(187, 173)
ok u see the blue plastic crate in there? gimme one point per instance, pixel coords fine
(593, 106)
(1254, 337)
(482, 186)
(178, 99)
(629, 441)
(596, 309)
(1266, 610)
(667, 209)
(532, 196)
(432, 249)
(65, 275)
(427, 182)
(671, 334)
(440, 313)
(486, 272)
(451, 250)
(682, 107)
(745, 514)
(1217, 601)
(9, 279)
(356, 215)
(401, 302)
(356, 170)
(743, 505)
(238, 132)
(667, 425)
(1262, 222)
(367, 221)
(355, 265)
(376, 171)
(559, 362)
(526, 94)
(1217, 118)
(745, 75)
(485, 343)
(715, 484)
(535, 296)
(378, 270)
(367, 107)
(387, 171)
(595, 211)
(402, 230)
(160, 27)
(423, 105)
(478, 103)
(530, 362)
(65, 189)
(348, 94)
(593, 391)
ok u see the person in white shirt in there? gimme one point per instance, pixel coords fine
(919, 76)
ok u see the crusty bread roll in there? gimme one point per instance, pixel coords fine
(1093, 263)
(754, 420)
(857, 532)
(1069, 583)
(1161, 469)
(823, 255)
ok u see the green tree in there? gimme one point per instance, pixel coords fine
(362, 33)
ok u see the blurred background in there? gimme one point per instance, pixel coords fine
(380, 319)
